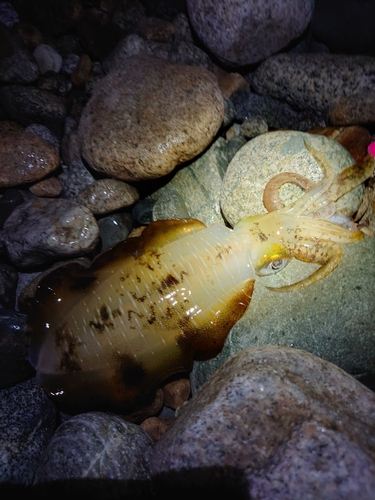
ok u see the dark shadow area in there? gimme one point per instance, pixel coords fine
(183, 485)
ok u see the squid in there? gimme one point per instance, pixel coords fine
(106, 337)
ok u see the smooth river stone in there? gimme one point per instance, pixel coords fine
(25, 157)
(148, 116)
(282, 151)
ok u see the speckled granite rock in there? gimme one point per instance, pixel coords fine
(43, 229)
(28, 419)
(96, 446)
(274, 423)
(25, 157)
(26, 105)
(333, 319)
(314, 82)
(148, 117)
(269, 154)
(245, 32)
(197, 186)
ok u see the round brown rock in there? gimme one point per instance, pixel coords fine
(24, 158)
(149, 116)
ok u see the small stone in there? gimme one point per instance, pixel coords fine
(106, 195)
(70, 62)
(25, 157)
(44, 133)
(142, 212)
(153, 28)
(97, 446)
(47, 58)
(176, 392)
(148, 117)
(74, 177)
(230, 82)
(273, 423)
(28, 419)
(114, 228)
(8, 14)
(156, 427)
(81, 72)
(253, 126)
(48, 188)
(56, 83)
(43, 229)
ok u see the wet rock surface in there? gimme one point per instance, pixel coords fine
(268, 424)
(153, 122)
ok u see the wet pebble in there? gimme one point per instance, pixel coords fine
(28, 420)
(96, 446)
(143, 122)
(43, 229)
(273, 423)
(24, 158)
(251, 127)
(47, 188)
(107, 195)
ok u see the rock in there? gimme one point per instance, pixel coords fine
(17, 64)
(8, 14)
(333, 319)
(273, 423)
(277, 114)
(28, 419)
(253, 127)
(148, 117)
(182, 28)
(45, 134)
(107, 195)
(230, 82)
(269, 154)
(11, 199)
(74, 179)
(25, 157)
(153, 28)
(353, 109)
(48, 188)
(195, 188)
(114, 228)
(8, 286)
(314, 82)
(333, 20)
(96, 446)
(14, 365)
(245, 32)
(176, 392)
(28, 105)
(43, 229)
(81, 72)
(47, 58)
(142, 212)
(156, 427)
(355, 139)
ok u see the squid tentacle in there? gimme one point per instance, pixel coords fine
(329, 257)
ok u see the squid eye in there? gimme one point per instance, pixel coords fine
(273, 267)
